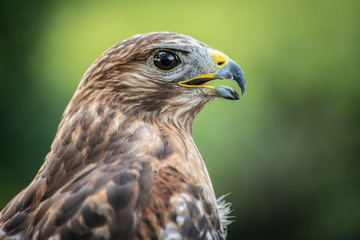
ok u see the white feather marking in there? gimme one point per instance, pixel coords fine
(13, 237)
(224, 211)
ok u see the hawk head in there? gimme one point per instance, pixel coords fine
(158, 73)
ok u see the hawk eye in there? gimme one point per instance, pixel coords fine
(166, 60)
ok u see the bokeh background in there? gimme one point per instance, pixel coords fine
(288, 151)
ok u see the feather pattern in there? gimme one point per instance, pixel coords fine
(123, 164)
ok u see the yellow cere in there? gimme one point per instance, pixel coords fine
(221, 60)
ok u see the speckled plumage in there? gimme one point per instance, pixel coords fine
(123, 164)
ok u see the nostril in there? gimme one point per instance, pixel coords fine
(220, 59)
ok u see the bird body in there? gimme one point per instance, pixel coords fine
(123, 164)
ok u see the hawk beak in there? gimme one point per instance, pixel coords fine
(227, 70)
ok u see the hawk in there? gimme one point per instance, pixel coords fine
(123, 164)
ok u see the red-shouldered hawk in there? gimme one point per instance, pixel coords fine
(123, 164)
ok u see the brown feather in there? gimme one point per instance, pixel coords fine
(123, 164)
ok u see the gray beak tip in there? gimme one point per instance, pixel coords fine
(232, 71)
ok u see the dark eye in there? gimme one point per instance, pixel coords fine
(166, 60)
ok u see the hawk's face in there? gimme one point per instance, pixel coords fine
(161, 72)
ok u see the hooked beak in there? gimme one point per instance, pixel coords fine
(228, 70)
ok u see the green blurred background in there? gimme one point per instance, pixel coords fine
(288, 151)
